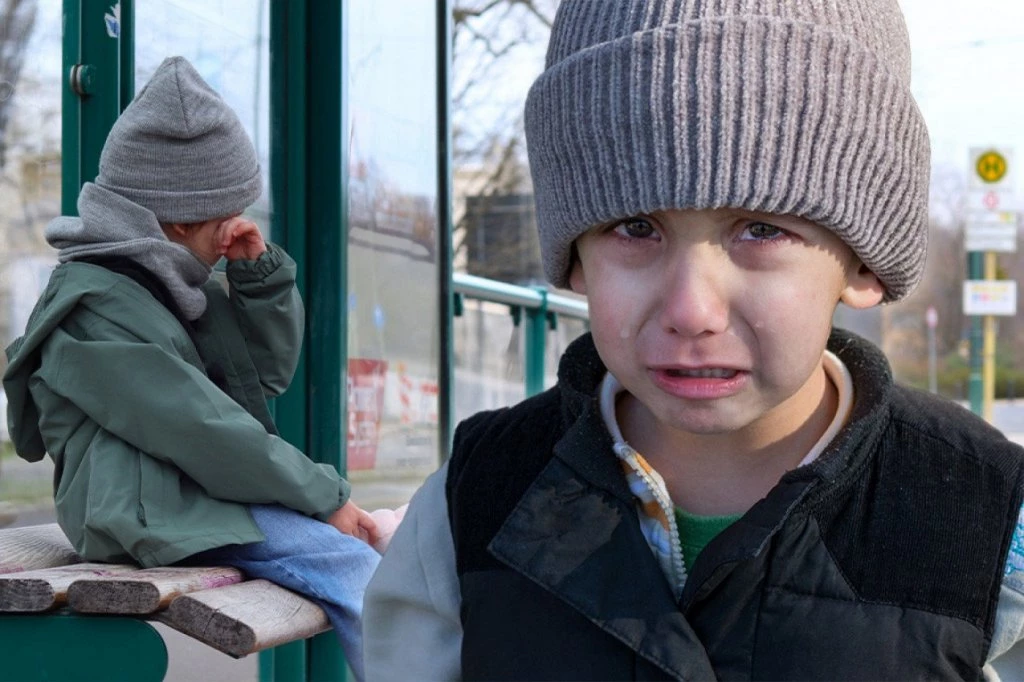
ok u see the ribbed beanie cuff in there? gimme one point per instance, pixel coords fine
(192, 205)
(764, 113)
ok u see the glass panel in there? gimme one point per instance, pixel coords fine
(489, 359)
(498, 50)
(30, 168)
(392, 249)
(228, 43)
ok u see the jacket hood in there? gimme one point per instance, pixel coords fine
(112, 225)
(69, 286)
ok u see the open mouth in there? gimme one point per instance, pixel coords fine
(709, 373)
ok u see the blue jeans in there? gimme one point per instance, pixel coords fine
(312, 558)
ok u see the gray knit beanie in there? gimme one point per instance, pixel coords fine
(179, 150)
(798, 107)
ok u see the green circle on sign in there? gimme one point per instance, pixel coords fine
(991, 166)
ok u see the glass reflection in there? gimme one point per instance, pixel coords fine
(392, 249)
(489, 360)
(30, 187)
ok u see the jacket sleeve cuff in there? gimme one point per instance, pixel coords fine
(245, 271)
(344, 491)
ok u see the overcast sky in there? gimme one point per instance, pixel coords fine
(968, 76)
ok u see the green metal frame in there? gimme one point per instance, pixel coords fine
(107, 83)
(542, 309)
(327, 236)
(74, 648)
(287, 182)
(308, 181)
(537, 320)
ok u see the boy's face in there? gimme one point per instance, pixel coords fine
(716, 320)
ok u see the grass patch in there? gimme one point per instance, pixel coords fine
(7, 450)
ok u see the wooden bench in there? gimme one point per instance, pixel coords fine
(50, 600)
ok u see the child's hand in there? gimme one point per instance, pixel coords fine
(351, 520)
(240, 239)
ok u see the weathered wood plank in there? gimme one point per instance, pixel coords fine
(32, 547)
(245, 618)
(145, 591)
(46, 588)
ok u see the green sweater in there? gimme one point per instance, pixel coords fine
(695, 532)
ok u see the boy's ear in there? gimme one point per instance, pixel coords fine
(863, 288)
(577, 282)
(179, 229)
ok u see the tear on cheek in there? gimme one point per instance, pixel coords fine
(624, 333)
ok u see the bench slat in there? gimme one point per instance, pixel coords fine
(32, 547)
(46, 588)
(145, 591)
(244, 618)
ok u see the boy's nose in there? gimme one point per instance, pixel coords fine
(693, 301)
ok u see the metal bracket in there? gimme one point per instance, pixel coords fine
(81, 79)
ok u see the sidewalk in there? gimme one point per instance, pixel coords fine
(26, 490)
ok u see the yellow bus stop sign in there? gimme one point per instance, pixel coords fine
(991, 166)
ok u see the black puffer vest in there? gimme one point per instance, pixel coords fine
(882, 560)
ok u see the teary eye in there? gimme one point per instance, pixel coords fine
(761, 232)
(636, 228)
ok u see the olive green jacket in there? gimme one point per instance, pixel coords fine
(154, 462)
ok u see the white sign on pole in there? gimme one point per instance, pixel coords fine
(990, 297)
(990, 237)
(985, 201)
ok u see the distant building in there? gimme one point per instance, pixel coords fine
(501, 239)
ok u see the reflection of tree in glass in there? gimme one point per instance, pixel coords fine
(384, 218)
(17, 18)
(497, 49)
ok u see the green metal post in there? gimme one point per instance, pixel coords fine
(127, 56)
(536, 338)
(291, 662)
(101, 104)
(71, 115)
(446, 295)
(327, 251)
(74, 648)
(288, 182)
(288, 107)
(98, 82)
(976, 270)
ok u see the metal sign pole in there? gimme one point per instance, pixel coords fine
(975, 384)
(989, 229)
(989, 352)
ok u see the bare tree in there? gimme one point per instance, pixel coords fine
(497, 49)
(17, 19)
